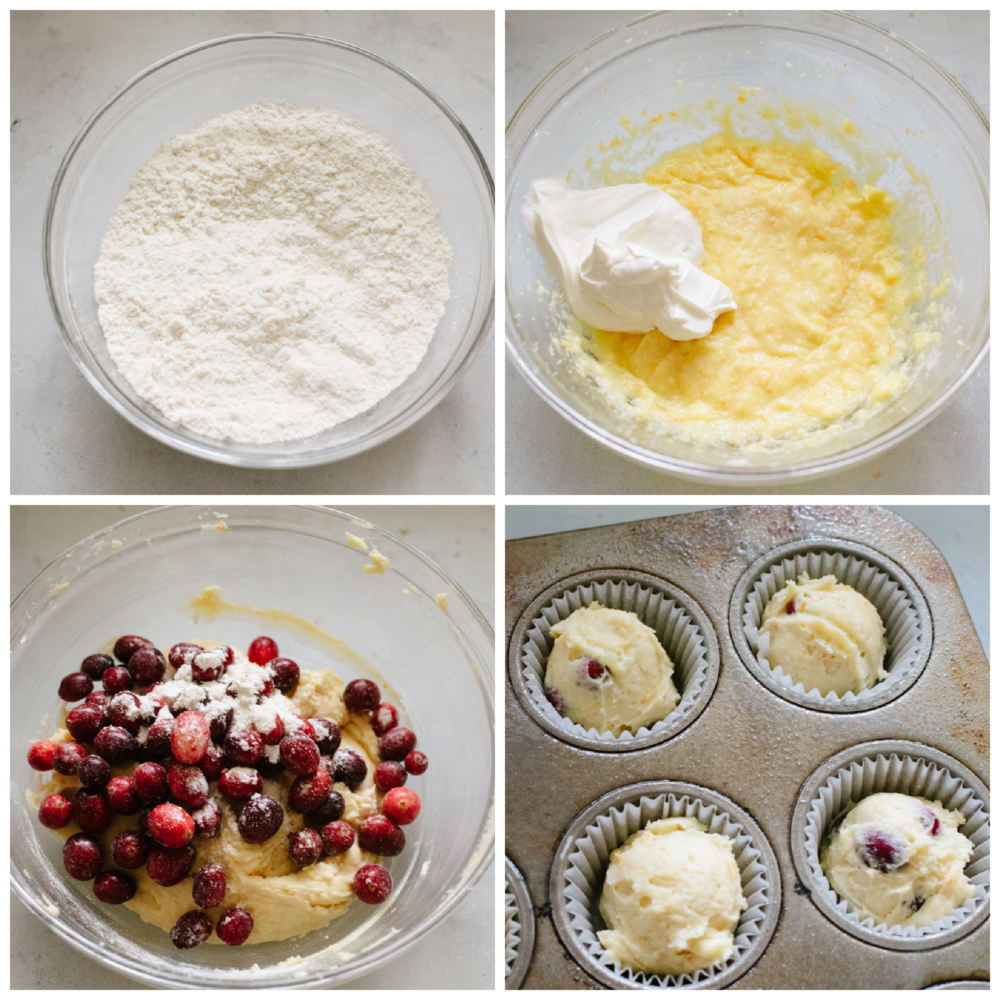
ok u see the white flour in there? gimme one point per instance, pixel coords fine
(271, 273)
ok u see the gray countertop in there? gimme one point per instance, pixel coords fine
(950, 455)
(64, 438)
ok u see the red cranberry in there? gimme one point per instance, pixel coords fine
(168, 866)
(191, 930)
(207, 821)
(416, 762)
(303, 727)
(244, 746)
(219, 721)
(327, 735)
(189, 785)
(929, 820)
(183, 653)
(207, 665)
(157, 743)
(396, 743)
(130, 849)
(389, 774)
(332, 808)
(227, 655)
(235, 925)
(82, 857)
(790, 608)
(151, 783)
(305, 847)
(260, 819)
(122, 796)
(117, 679)
(55, 811)
(213, 763)
(372, 883)
(555, 700)
(67, 756)
(362, 695)
(241, 783)
(85, 721)
(338, 837)
(299, 754)
(114, 887)
(271, 733)
(380, 835)
(93, 771)
(147, 666)
(123, 710)
(384, 718)
(309, 791)
(127, 645)
(350, 768)
(270, 768)
(285, 673)
(190, 737)
(170, 825)
(75, 687)
(595, 670)
(40, 754)
(95, 665)
(401, 805)
(266, 690)
(262, 650)
(115, 745)
(879, 850)
(209, 887)
(99, 699)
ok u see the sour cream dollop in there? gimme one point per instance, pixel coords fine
(628, 257)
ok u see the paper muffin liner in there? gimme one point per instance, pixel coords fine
(909, 776)
(675, 628)
(512, 927)
(903, 625)
(588, 862)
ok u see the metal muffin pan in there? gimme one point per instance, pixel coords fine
(749, 745)
(516, 888)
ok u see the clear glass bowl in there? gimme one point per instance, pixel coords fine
(295, 559)
(229, 73)
(899, 98)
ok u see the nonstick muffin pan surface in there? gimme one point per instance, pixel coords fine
(748, 744)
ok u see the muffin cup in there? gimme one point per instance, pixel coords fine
(682, 628)
(910, 769)
(581, 860)
(519, 936)
(901, 606)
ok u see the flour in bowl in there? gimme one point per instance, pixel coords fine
(271, 273)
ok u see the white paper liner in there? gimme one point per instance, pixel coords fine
(588, 862)
(899, 617)
(674, 627)
(909, 776)
(512, 927)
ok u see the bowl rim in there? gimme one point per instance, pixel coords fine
(719, 474)
(222, 452)
(480, 857)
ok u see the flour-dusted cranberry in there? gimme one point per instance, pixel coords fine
(260, 819)
(362, 695)
(235, 925)
(266, 690)
(115, 745)
(82, 857)
(396, 744)
(207, 821)
(189, 785)
(555, 700)
(372, 883)
(285, 673)
(309, 791)
(85, 721)
(123, 710)
(117, 679)
(243, 746)
(157, 745)
(67, 756)
(170, 825)
(94, 771)
(299, 753)
(272, 731)
(151, 783)
(147, 666)
(207, 665)
(130, 849)
(95, 665)
(114, 887)
(929, 820)
(326, 733)
(305, 847)
(55, 811)
(240, 783)
(338, 837)
(75, 687)
(270, 768)
(380, 835)
(209, 887)
(40, 755)
(384, 718)
(99, 699)
(879, 849)
(213, 763)
(183, 653)
(127, 645)
(262, 650)
(303, 727)
(227, 655)
(122, 796)
(219, 721)
(350, 768)
(389, 774)
(192, 929)
(416, 762)
(190, 737)
(169, 866)
(401, 805)
(330, 809)
(192, 699)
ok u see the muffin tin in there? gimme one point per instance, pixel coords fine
(748, 745)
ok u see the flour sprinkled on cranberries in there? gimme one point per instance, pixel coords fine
(170, 825)
(350, 768)
(262, 650)
(124, 711)
(114, 887)
(67, 756)
(208, 665)
(384, 718)
(299, 754)
(380, 835)
(305, 847)
(157, 745)
(82, 857)
(188, 785)
(192, 929)
(169, 866)
(396, 743)
(285, 673)
(389, 774)
(243, 746)
(207, 821)
(372, 884)
(190, 737)
(183, 653)
(55, 811)
(260, 819)
(75, 687)
(362, 695)
(235, 925)
(241, 783)
(40, 754)
(209, 887)
(338, 837)
(327, 735)
(416, 762)
(130, 849)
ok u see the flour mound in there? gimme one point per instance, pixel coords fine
(272, 273)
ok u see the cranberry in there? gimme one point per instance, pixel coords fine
(95, 665)
(191, 930)
(299, 754)
(82, 857)
(262, 650)
(384, 718)
(244, 746)
(40, 755)
(309, 791)
(130, 849)
(114, 887)
(207, 821)
(362, 695)
(75, 687)
(303, 727)
(241, 783)
(151, 783)
(183, 653)
(226, 654)
(213, 763)
(879, 850)
(190, 737)
(270, 768)
(170, 825)
(930, 822)
(85, 721)
(338, 837)
(127, 645)
(555, 700)
(189, 785)
(372, 883)
(389, 774)
(147, 666)
(285, 673)
(99, 699)
(401, 805)
(350, 768)
(168, 866)
(157, 743)
(271, 732)
(416, 762)
(790, 608)
(94, 771)
(115, 745)
(207, 665)
(330, 809)
(595, 670)
(117, 679)
(122, 796)
(123, 710)
(327, 735)
(235, 925)
(67, 756)
(55, 811)
(209, 887)
(396, 743)
(380, 835)
(305, 847)
(266, 690)
(260, 819)
(219, 721)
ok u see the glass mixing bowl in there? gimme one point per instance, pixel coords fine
(900, 100)
(229, 73)
(298, 560)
